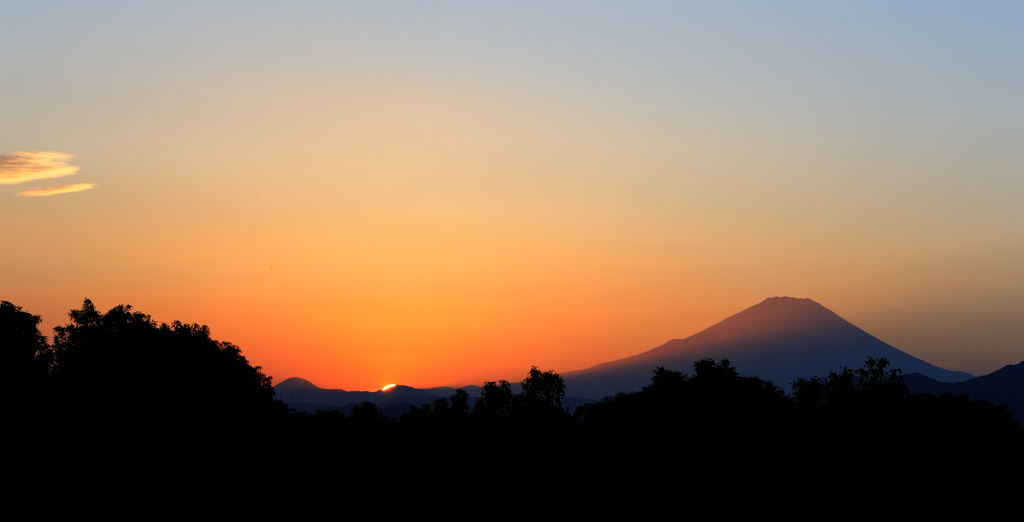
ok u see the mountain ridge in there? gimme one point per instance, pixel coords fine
(1003, 386)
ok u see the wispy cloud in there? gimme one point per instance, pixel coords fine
(53, 191)
(19, 167)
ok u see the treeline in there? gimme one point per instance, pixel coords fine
(122, 372)
(121, 366)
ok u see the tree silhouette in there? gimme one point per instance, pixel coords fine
(495, 402)
(24, 354)
(880, 386)
(367, 415)
(122, 363)
(666, 379)
(459, 403)
(541, 399)
(870, 386)
(543, 389)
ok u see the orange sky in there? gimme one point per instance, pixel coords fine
(442, 196)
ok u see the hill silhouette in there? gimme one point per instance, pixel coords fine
(1003, 386)
(305, 396)
(780, 340)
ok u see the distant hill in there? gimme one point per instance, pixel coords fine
(779, 340)
(306, 396)
(303, 395)
(1003, 386)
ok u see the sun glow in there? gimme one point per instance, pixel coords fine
(387, 387)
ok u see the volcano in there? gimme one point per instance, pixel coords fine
(779, 340)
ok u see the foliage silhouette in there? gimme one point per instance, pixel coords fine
(459, 403)
(367, 414)
(541, 399)
(26, 357)
(868, 391)
(712, 403)
(122, 362)
(546, 389)
(540, 402)
(665, 379)
(495, 402)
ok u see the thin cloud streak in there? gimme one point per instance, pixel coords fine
(19, 167)
(53, 191)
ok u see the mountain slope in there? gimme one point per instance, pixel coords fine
(1003, 386)
(780, 340)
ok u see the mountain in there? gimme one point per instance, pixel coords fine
(779, 340)
(1003, 386)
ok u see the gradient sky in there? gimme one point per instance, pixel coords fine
(443, 193)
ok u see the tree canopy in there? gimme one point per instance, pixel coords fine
(124, 362)
(25, 357)
(539, 402)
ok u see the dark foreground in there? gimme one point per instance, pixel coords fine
(119, 405)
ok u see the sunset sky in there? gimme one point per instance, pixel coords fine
(442, 193)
